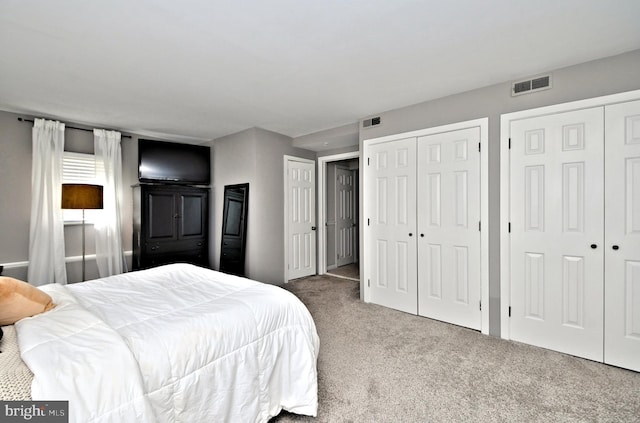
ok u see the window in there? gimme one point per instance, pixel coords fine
(80, 168)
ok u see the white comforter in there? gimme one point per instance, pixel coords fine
(173, 344)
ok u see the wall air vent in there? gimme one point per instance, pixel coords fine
(531, 85)
(368, 123)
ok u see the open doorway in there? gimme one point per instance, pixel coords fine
(338, 215)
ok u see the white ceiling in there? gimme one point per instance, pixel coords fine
(196, 70)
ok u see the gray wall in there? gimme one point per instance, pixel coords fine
(255, 156)
(233, 162)
(601, 77)
(15, 192)
(335, 139)
(342, 150)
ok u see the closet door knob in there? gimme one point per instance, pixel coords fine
(410, 234)
(594, 246)
(615, 247)
(421, 235)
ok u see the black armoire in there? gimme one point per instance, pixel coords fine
(170, 225)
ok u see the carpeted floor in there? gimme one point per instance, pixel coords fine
(381, 365)
(350, 271)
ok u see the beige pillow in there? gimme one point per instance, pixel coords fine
(18, 300)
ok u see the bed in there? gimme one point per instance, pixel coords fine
(177, 343)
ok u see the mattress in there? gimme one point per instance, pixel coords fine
(173, 343)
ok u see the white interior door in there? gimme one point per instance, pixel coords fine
(622, 229)
(345, 216)
(449, 285)
(301, 223)
(557, 232)
(391, 224)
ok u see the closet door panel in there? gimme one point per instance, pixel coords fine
(622, 231)
(557, 231)
(449, 287)
(391, 199)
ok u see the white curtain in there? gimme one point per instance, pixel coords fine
(108, 228)
(46, 231)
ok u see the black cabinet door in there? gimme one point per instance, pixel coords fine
(192, 217)
(160, 212)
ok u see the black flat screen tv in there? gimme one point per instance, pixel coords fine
(170, 162)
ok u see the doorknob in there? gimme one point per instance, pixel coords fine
(615, 247)
(594, 246)
(313, 228)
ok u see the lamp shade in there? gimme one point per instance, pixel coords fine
(81, 196)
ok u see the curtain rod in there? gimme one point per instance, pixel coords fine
(71, 127)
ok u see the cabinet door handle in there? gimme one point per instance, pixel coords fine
(594, 246)
(616, 247)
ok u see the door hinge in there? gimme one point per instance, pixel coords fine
(509, 143)
(479, 147)
(509, 227)
(369, 282)
(368, 222)
(509, 311)
(480, 305)
(368, 161)
(479, 226)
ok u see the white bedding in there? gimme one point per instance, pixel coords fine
(176, 343)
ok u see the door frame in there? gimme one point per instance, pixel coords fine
(286, 161)
(321, 204)
(483, 124)
(505, 185)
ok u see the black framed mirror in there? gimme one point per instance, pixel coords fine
(234, 229)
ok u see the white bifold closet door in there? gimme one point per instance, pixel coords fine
(622, 235)
(575, 232)
(448, 226)
(557, 232)
(422, 197)
(391, 192)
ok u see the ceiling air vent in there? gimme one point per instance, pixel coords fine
(530, 85)
(367, 123)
